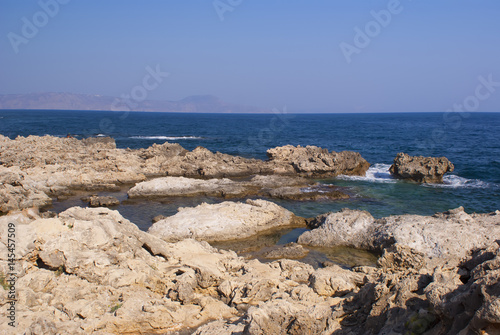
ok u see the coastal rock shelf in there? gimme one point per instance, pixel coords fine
(282, 187)
(36, 168)
(448, 234)
(89, 270)
(224, 221)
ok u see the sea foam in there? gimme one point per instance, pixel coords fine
(167, 138)
(378, 173)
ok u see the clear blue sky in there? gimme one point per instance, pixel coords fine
(264, 53)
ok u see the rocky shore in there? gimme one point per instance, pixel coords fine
(90, 270)
(34, 169)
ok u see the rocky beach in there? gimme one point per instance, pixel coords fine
(90, 270)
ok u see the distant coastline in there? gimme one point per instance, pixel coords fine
(85, 102)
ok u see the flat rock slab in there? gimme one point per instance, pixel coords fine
(281, 187)
(224, 221)
(443, 235)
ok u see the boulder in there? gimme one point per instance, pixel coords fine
(313, 161)
(102, 201)
(351, 228)
(224, 221)
(421, 169)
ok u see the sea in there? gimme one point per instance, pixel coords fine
(471, 141)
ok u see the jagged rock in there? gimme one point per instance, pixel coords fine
(224, 221)
(103, 142)
(443, 235)
(316, 161)
(102, 201)
(89, 270)
(55, 166)
(421, 169)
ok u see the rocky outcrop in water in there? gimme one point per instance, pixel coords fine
(224, 221)
(92, 271)
(315, 161)
(56, 166)
(421, 169)
(443, 235)
(272, 186)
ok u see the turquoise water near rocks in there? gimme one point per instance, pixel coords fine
(471, 141)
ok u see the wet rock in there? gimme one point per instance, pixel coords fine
(224, 221)
(421, 169)
(290, 251)
(102, 201)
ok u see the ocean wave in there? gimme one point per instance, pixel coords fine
(376, 173)
(101, 135)
(454, 181)
(167, 138)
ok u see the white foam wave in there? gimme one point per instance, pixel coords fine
(101, 135)
(454, 181)
(167, 138)
(376, 173)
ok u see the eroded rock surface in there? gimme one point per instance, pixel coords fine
(448, 234)
(421, 169)
(271, 186)
(316, 161)
(52, 166)
(92, 271)
(224, 221)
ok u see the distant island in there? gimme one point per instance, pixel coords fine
(71, 101)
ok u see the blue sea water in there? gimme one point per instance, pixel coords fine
(470, 140)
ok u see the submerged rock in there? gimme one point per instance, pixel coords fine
(224, 221)
(421, 169)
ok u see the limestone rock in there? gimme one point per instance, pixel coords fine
(224, 221)
(289, 251)
(102, 201)
(350, 228)
(281, 187)
(316, 161)
(421, 169)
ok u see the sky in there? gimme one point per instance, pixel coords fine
(339, 56)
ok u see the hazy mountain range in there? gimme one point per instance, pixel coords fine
(70, 101)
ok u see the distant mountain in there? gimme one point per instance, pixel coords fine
(70, 101)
